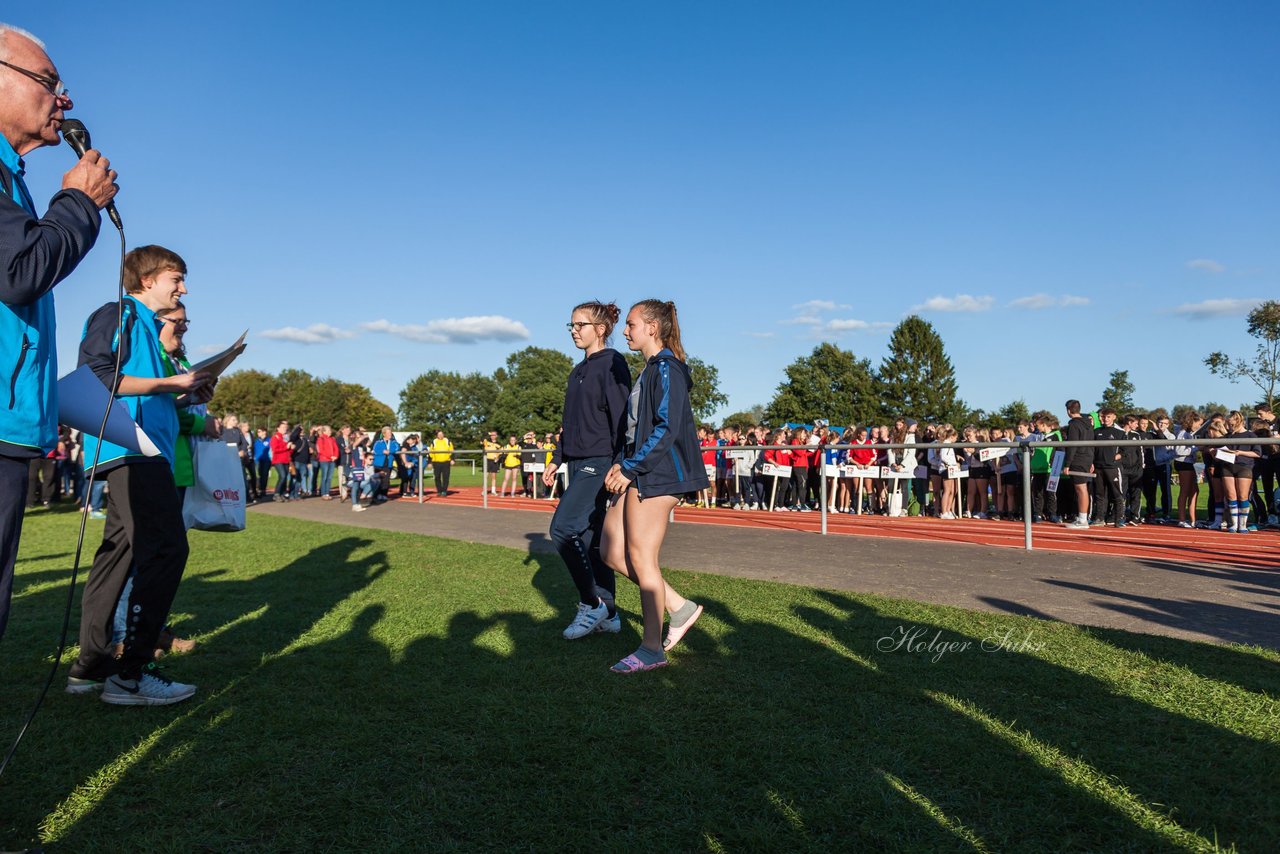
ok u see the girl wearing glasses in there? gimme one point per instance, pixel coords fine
(662, 463)
(595, 408)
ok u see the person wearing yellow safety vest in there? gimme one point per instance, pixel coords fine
(491, 464)
(441, 453)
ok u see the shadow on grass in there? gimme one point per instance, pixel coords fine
(783, 724)
(259, 613)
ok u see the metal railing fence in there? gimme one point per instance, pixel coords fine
(1023, 448)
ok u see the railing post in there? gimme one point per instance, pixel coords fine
(421, 474)
(1025, 451)
(822, 491)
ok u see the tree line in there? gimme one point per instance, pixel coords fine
(915, 378)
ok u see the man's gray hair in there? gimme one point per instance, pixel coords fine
(5, 29)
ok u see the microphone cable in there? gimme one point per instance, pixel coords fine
(84, 516)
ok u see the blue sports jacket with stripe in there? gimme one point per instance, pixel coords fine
(665, 458)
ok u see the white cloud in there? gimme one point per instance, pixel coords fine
(454, 330)
(803, 320)
(316, 333)
(852, 325)
(1206, 264)
(819, 305)
(761, 334)
(1217, 308)
(1040, 301)
(960, 302)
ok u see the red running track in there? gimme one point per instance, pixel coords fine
(1147, 542)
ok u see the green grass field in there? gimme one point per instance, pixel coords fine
(362, 690)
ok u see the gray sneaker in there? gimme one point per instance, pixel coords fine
(76, 685)
(586, 621)
(151, 688)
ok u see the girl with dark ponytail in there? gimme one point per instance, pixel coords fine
(660, 463)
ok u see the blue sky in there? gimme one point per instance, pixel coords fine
(1062, 190)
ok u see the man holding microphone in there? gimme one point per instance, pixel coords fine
(35, 255)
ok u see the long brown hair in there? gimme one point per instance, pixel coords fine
(603, 314)
(663, 314)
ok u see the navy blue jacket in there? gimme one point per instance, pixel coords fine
(35, 255)
(665, 458)
(595, 408)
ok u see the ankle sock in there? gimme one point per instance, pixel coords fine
(685, 612)
(649, 656)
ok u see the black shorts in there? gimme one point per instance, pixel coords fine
(1178, 465)
(981, 473)
(1080, 479)
(490, 466)
(1237, 470)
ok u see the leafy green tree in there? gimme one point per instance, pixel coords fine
(705, 396)
(1006, 417)
(308, 400)
(530, 391)
(249, 394)
(916, 378)
(262, 400)
(360, 409)
(746, 418)
(1264, 369)
(446, 400)
(1118, 394)
(829, 383)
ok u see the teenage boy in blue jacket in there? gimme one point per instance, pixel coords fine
(144, 527)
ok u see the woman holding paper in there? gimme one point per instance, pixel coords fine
(948, 465)
(1237, 473)
(1184, 465)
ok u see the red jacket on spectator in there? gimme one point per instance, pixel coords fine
(326, 448)
(800, 454)
(708, 457)
(861, 457)
(778, 458)
(280, 452)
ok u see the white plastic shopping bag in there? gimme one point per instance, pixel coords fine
(215, 502)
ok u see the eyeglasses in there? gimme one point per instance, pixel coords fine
(184, 323)
(55, 86)
(577, 325)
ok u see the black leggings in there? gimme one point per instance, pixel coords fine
(799, 484)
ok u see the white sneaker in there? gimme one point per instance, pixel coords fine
(357, 508)
(586, 621)
(947, 516)
(612, 625)
(151, 688)
(1079, 524)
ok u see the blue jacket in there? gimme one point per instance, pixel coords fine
(35, 255)
(665, 458)
(141, 355)
(383, 453)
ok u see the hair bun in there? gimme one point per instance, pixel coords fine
(612, 312)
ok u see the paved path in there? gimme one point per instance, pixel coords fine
(1196, 601)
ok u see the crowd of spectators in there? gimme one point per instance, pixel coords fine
(1115, 485)
(1123, 484)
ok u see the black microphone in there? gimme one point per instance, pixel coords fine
(77, 136)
